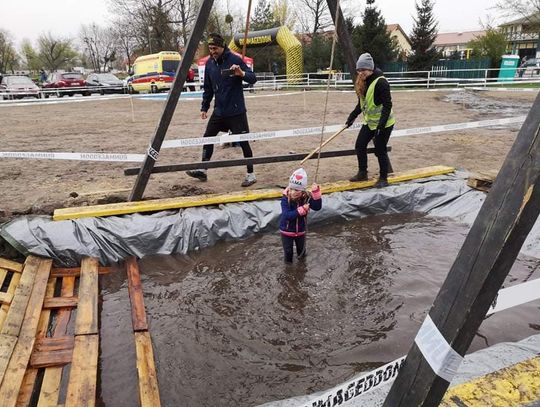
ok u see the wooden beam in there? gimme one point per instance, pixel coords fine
(11, 290)
(75, 271)
(344, 38)
(488, 252)
(3, 275)
(13, 378)
(172, 100)
(17, 309)
(50, 387)
(87, 311)
(6, 298)
(146, 369)
(11, 265)
(61, 302)
(242, 196)
(81, 390)
(30, 376)
(138, 313)
(159, 169)
(52, 352)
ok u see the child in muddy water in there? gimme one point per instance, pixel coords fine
(296, 203)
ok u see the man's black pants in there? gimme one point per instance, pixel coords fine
(236, 125)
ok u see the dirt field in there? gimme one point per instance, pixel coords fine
(94, 125)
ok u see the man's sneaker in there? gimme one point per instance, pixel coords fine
(381, 183)
(249, 180)
(199, 174)
(361, 176)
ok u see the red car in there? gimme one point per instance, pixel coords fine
(67, 83)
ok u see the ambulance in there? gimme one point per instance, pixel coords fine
(154, 73)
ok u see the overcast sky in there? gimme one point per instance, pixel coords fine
(31, 18)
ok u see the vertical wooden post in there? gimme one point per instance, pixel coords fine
(344, 38)
(491, 247)
(172, 101)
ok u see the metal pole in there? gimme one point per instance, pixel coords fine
(481, 266)
(172, 101)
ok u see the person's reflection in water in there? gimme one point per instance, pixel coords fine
(293, 296)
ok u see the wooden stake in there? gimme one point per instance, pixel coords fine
(333, 136)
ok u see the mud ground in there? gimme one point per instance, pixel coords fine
(95, 125)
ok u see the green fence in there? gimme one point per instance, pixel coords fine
(445, 68)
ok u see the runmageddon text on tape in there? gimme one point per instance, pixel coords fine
(265, 135)
(364, 383)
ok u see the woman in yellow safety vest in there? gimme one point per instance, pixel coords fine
(375, 104)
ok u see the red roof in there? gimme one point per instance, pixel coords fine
(457, 38)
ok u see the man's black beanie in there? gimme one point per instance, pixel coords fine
(216, 40)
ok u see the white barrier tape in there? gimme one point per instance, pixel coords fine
(442, 358)
(265, 135)
(366, 382)
(515, 295)
(110, 157)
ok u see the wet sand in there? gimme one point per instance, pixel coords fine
(40, 186)
(233, 326)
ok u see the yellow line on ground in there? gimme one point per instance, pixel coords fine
(241, 196)
(514, 386)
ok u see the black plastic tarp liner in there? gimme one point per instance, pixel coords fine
(113, 238)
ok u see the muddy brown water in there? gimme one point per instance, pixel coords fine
(233, 326)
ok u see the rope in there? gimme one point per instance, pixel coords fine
(246, 31)
(327, 90)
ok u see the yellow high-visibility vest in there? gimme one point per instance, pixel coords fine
(370, 111)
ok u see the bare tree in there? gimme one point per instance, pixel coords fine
(55, 53)
(313, 15)
(528, 9)
(127, 40)
(284, 14)
(8, 55)
(100, 45)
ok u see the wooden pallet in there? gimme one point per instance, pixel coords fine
(32, 341)
(482, 180)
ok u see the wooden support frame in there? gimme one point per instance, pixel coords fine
(172, 100)
(489, 251)
(245, 161)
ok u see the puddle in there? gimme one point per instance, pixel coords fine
(233, 326)
(488, 107)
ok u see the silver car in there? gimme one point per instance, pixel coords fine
(18, 87)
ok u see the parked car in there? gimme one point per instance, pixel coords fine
(67, 83)
(18, 87)
(104, 83)
(531, 67)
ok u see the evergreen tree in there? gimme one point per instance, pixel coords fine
(263, 17)
(424, 33)
(372, 36)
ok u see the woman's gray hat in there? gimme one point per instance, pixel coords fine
(365, 61)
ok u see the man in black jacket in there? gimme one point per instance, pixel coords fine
(223, 76)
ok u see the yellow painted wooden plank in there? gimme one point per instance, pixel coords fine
(13, 378)
(146, 369)
(81, 390)
(515, 386)
(52, 378)
(17, 309)
(87, 310)
(242, 196)
(10, 265)
(11, 290)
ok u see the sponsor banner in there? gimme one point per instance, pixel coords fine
(443, 357)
